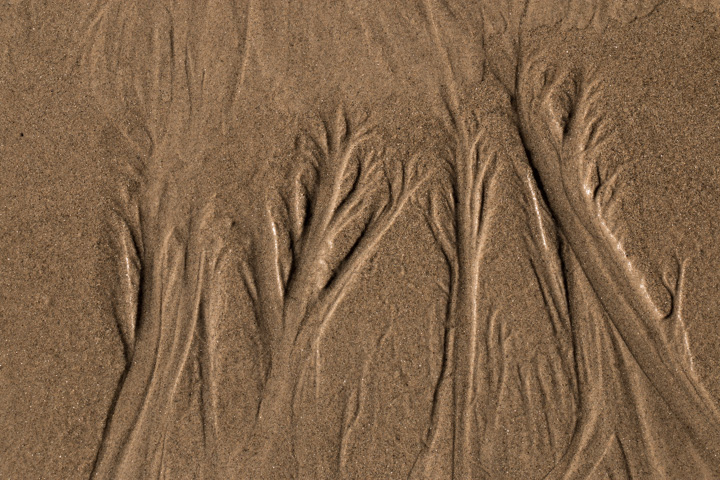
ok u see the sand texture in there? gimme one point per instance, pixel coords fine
(423, 239)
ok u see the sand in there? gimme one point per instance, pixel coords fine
(431, 240)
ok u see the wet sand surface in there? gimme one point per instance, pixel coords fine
(426, 240)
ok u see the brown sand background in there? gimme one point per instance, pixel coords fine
(61, 356)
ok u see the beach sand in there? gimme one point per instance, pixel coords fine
(431, 240)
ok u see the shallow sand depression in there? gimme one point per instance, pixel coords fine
(425, 239)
